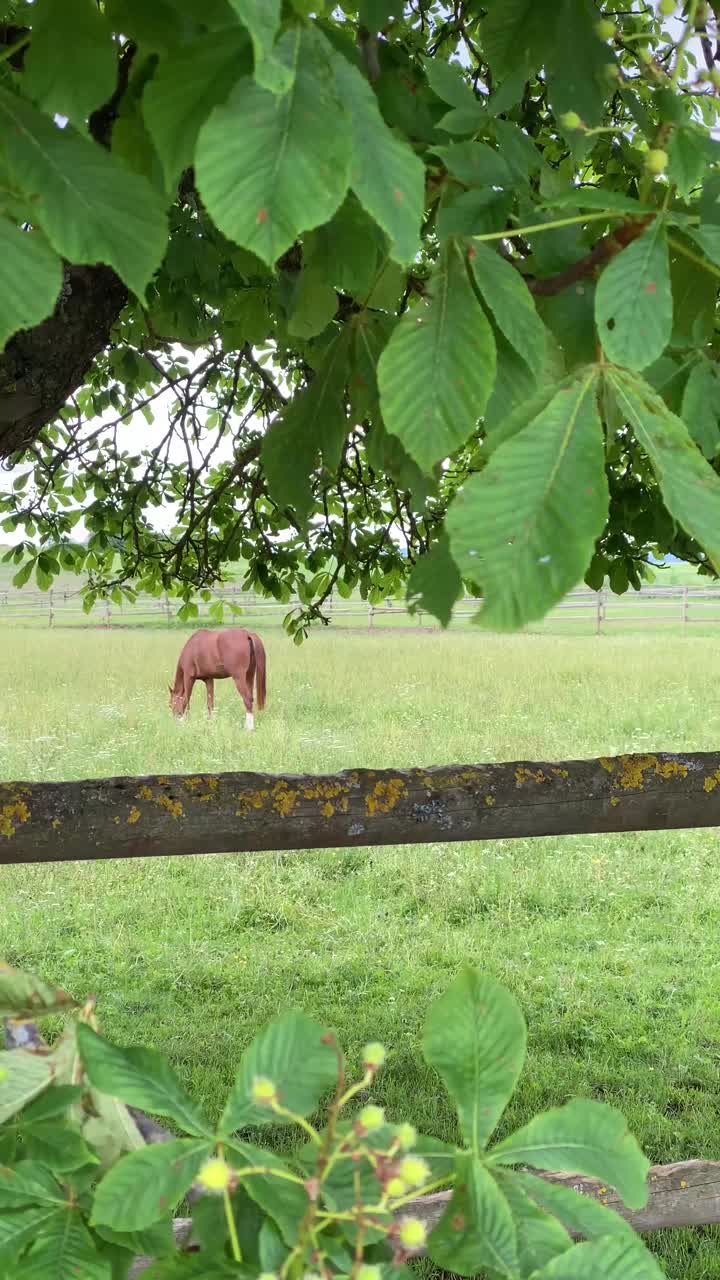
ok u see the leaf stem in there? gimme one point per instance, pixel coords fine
(12, 49)
(298, 1120)
(549, 226)
(232, 1229)
(694, 257)
(685, 37)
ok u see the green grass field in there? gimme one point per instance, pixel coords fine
(610, 943)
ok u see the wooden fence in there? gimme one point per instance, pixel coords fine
(675, 608)
(243, 812)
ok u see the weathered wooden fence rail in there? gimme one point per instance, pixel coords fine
(159, 816)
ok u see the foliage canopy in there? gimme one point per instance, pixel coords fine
(419, 289)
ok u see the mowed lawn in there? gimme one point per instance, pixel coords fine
(610, 943)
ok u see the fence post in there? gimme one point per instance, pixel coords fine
(108, 619)
(600, 610)
(685, 603)
(51, 616)
(167, 608)
(371, 617)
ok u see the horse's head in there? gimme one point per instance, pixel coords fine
(178, 702)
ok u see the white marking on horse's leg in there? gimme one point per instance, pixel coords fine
(249, 721)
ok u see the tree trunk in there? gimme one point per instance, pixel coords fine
(40, 368)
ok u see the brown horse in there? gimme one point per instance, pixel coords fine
(215, 655)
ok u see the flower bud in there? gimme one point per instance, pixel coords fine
(656, 161)
(263, 1091)
(373, 1056)
(605, 29)
(412, 1233)
(407, 1136)
(371, 1118)
(216, 1175)
(571, 120)
(414, 1171)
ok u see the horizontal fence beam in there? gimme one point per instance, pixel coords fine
(686, 1194)
(158, 816)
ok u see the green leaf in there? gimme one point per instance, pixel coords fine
(436, 373)
(708, 239)
(289, 172)
(315, 420)
(686, 159)
(578, 61)
(314, 304)
(262, 19)
(435, 582)
(525, 527)
(515, 388)
(633, 301)
(85, 76)
(22, 1077)
(371, 334)
(462, 121)
(540, 1237)
(689, 486)
(506, 294)
(515, 34)
(475, 163)
(140, 1078)
(187, 85)
(20, 1227)
(30, 280)
(701, 405)
(23, 995)
(447, 81)
(386, 175)
(582, 1137)
(90, 208)
(28, 1183)
(156, 27)
(282, 1199)
(294, 1053)
(694, 295)
(481, 1061)
(477, 1229)
(53, 1103)
(65, 1248)
(479, 211)
(603, 1260)
(58, 1146)
(154, 1241)
(144, 1187)
(351, 249)
(580, 1214)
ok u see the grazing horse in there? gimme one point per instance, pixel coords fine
(215, 655)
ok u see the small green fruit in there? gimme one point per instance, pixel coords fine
(371, 1118)
(415, 1171)
(656, 161)
(264, 1092)
(216, 1175)
(412, 1233)
(667, 7)
(407, 1136)
(396, 1187)
(571, 120)
(373, 1056)
(367, 1272)
(605, 29)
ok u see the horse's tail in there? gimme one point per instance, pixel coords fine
(260, 668)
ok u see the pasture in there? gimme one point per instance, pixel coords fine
(610, 943)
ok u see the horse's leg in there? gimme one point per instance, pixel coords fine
(210, 691)
(189, 685)
(246, 694)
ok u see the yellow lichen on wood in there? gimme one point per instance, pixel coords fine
(285, 799)
(529, 775)
(561, 773)
(607, 763)
(324, 790)
(56, 823)
(490, 801)
(712, 781)
(145, 793)
(614, 800)
(671, 769)
(173, 807)
(250, 800)
(327, 810)
(384, 796)
(134, 815)
(633, 770)
(14, 811)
